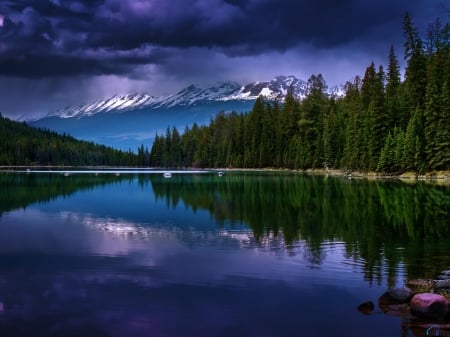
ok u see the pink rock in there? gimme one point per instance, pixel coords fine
(429, 306)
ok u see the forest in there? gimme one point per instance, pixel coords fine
(21, 144)
(385, 122)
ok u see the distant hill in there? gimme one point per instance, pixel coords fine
(21, 144)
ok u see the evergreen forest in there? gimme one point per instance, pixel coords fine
(21, 144)
(385, 122)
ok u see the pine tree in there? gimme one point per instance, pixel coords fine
(392, 155)
(399, 151)
(442, 133)
(330, 138)
(287, 127)
(378, 120)
(410, 147)
(268, 140)
(368, 85)
(253, 133)
(167, 152)
(387, 157)
(415, 143)
(415, 74)
(412, 43)
(175, 142)
(352, 105)
(310, 124)
(394, 110)
(375, 120)
(435, 37)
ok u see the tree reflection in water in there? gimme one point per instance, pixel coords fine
(387, 224)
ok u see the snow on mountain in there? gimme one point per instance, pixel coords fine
(275, 89)
(116, 103)
(337, 91)
(193, 95)
(120, 103)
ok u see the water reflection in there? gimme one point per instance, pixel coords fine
(241, 254)
(21, 190)
(386, 223)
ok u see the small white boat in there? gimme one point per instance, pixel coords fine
(167, 175)
(220, 173)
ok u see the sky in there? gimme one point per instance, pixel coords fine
(54, 53)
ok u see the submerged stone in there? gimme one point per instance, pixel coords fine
(444, 275)
(429, 306)
(396, 296)
(366, 308)
(402, 295)
(441, 285)
(394, 302)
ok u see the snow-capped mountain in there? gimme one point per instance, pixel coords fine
(276, 88)
(192, 95)
(127, 121)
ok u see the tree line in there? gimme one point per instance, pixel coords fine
(21, 144)
(382, 123)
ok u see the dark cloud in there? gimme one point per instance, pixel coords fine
(62, 52)
(61, 37)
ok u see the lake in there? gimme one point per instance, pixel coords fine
(198, 254)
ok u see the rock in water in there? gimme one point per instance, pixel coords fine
(444, 275)
(441, 285)
(429, 306)
(366, 308)
(402, 295)
(394, 302)
(396, 296)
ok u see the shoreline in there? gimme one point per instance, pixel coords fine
(439, 177)
(433, 175)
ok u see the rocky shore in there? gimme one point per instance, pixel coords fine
(423, 305)
(435, 176)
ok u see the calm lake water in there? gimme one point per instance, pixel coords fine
(245, 254)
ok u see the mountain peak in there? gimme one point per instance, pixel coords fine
(276, 88)
(192, 95)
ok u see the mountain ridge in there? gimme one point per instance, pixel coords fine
(274, 89)
(129, 120)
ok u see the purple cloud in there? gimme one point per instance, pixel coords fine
(181, 41)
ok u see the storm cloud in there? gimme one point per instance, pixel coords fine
(188, 40)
